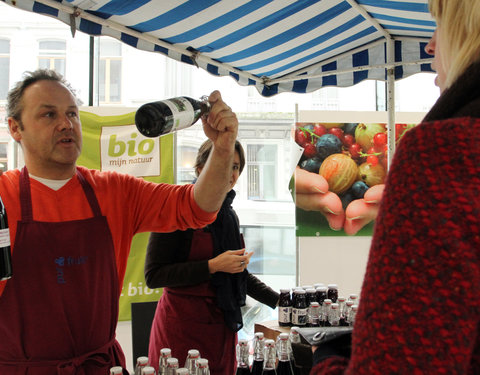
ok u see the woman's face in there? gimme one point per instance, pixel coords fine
(434, 47)
(235, 170)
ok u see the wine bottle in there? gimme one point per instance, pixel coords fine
(243, 366)
(5, 254)
(284, 366)
(258, 354)
(270, 358)
(167, 116)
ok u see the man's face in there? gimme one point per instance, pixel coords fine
(49, 130)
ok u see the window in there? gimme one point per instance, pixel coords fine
(52, 55)
(3, 156)
(261, 171)
(273, 249)
(259, 103)
(110, 71)
(4, 68)
(326, 99)
(186, 162)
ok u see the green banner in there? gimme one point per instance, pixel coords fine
(113, 143)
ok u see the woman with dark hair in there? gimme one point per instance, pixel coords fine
(203, 273)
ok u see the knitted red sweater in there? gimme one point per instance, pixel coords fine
(420, 308)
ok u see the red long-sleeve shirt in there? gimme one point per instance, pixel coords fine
(131, 205)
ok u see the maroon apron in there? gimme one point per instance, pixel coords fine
(188, 318)
(58, 312)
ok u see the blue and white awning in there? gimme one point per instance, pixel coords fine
(275, 45)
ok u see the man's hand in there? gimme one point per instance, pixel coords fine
(221, 124)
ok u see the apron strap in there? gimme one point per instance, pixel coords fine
(92, 199)
(26, 197)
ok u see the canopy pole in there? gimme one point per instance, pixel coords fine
(91, 64)
(390, 100)
(390, 71)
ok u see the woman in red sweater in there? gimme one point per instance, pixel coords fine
(419, 311)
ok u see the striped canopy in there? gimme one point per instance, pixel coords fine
(275, 45)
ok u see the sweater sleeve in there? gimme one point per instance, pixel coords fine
(166, 262)
(419, 307)
(261, 292)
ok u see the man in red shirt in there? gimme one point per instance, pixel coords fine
(71, 230)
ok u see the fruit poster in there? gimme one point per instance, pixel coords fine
(340, 175)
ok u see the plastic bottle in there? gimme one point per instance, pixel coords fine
(116, 370)
(148, 370)
(243, 367)
(165, 353)
(191, 362)
(342, 309)
(203, 368)
(141, 363)
(5, 253)
(172, 365)
(352, 315)
(334, 315)
(310, 296)
(348, 308)
(313, 319)
(354, 298)
(325, 311)
(166, 116)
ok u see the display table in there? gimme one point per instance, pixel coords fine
(301, 352)
(271, 329)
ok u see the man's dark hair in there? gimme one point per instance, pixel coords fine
(15, 95)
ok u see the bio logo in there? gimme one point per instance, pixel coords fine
(117, 147)
(123, 149)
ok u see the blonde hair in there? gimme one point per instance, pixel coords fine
(459, 29)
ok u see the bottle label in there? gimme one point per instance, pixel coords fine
(284, 314)
(299, 316)
(182, 112)
(4, 237)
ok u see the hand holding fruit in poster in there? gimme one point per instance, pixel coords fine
(342, 171)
